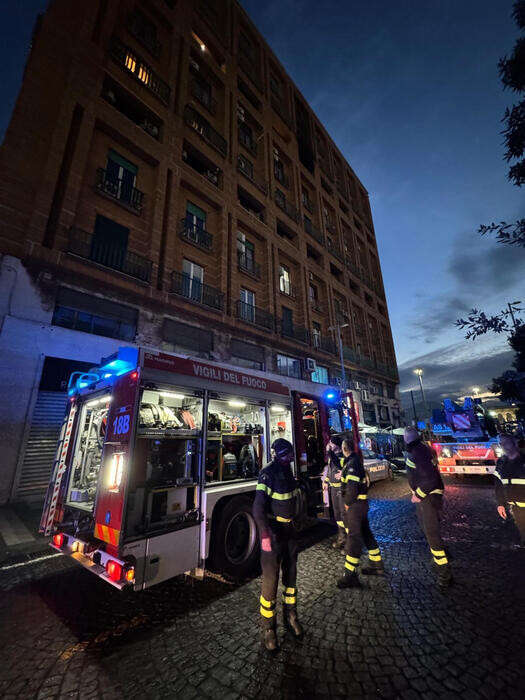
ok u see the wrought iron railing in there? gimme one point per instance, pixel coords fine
(200, 92)
(188, 287)
(205, 130)
(281, 110)
(285, 205)
(281, 177)
(253, 314)
(195, 234)
(299, 333)
(243, 168)
(108, 254)
(313, 231)
(247, 264)
(129, 61)
(247, 141)
(334, 248)
(119, 189)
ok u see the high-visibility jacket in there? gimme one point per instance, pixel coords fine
(353, 480)
(334, 466)
(510, 481)
(276, 497)
(422, 470)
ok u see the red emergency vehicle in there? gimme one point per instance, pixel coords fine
(158, 460)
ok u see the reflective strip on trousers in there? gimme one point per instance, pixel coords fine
(442, 561)
(267, 608)
(410, 463)
(340, 523)
(289, 599)
(374, 557)
(362, 497)
(352, 560)
(438, 552)
(350, 567)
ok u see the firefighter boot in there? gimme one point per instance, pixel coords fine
(269, 639)
(444, 579)
(291, 622)
(349, 581)
(339, 543)
(373, 568)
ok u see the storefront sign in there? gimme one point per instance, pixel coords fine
(205, 371)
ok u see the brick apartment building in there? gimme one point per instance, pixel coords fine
(164, 183)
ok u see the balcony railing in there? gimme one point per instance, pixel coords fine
(188, 287)
(88, 246)
(313, 231)
(299, 333)
(308, 205)
(251, 69)
(333, 248)
(281, 110)
(246, 263)
(200, 92)
(317, 306)
(253, 314)
(340, 183)
(325, 345)
(244, 168)
(195, 234)
(288, 208)
(248, 143)
(282, 178)
(129, 61)
(205, 130)
(120, 190)
(139, 29)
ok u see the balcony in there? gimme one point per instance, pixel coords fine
(118, 189)
(188, 287)
(247, 141)
(293, 332)
(108, 254)
(196, 235)
(140, 28)
(281, 110)
(308, 205)
(281, 177)
(202, 93)
(317, 306)
(205, 130)
(334, 248)
(250, 68)
(313, 231)
(256, 316)
(323, 344)
(129, 61)
(246, 169)
(202, 165)
(285, 206)
(246, 263)
(128, 105)
(340, 184)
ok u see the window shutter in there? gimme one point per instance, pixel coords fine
(186, 336)
(96, 306)
(247, 351)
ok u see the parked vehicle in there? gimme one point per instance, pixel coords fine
(377, 467)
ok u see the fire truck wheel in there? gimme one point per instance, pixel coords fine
(390, 473)
(235, 544)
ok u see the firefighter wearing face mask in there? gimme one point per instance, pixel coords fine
(274, 510)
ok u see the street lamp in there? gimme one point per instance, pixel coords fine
(475, 389)
(419, 373)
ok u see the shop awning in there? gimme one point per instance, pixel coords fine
(364, 428)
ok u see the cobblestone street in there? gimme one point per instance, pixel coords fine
(64, 633)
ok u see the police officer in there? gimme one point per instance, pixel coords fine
(274, 510)
(332, 482)
(510, 483)
(427, 492)
(355, 499)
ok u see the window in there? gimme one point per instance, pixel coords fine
(195, 217)
(391, 391)
(280, 423)
(288, 366)
(246, 136)
(246, 47)
(192, 277)
(284, 280)
(320, 376)
(83, 312)
(109, 243)
(383, 413)
(313, 294)
(369, 413)
(278, 169)
(121, 174)
(183, 338)
(276, 86)
(144, 31)
(287, 321)
(247, 355)
(245, 166)
(316, 334)
(247, 305)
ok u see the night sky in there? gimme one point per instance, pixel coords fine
(409, 91)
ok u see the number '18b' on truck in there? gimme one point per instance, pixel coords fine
(464, 438)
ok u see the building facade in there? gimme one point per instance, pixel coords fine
(164, 183)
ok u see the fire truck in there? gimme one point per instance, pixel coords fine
(464, 438)
(158, 459)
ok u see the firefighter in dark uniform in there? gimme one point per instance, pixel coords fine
(355, 499)
(427, 492)
(509, 477)
(332, 482)
(274, 510)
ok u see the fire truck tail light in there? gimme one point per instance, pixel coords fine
(134, 375)
(115, 471)
(114, 570)
(58, 540)
(130, 574)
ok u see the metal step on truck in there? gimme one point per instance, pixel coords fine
(158, 459)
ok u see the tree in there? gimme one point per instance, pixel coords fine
(478, 323)
(512, 75)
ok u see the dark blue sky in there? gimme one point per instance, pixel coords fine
(409, 91)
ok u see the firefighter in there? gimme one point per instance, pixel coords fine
(332, 483)
(509, 477)
(427, 492)
(274, 509)
(355, 499)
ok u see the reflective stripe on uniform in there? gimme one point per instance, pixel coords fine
(350, 477)
(352, 560)
(517, 481)
(263, 487)
(349, 566)
(373, 551)
(442, 561)
(362, 497)
(289, 591)
(267, 608)
(517, 503)
(266, 603)
(438, 552)
(374, 557)
(284, 496)
(337, 483)
(340, 523)
(410, 463)
(266, 613)
(420, 492)
(437, 491)
(288, 599)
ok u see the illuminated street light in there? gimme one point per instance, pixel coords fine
(419, 373)
(475, 389)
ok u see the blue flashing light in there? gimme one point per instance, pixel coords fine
(118, 367)
(331, 396)
(71, 391)
(107, 375)
(82, 385)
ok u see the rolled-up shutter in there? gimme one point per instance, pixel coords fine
(41, 445)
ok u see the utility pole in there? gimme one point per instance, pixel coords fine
(419, 373)
(512, 309)
(413, 407)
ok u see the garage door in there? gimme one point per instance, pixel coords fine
(41, 445)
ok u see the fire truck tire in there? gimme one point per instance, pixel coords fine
(390, 474)
(235, 541)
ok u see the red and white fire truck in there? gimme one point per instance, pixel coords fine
(158, 460)
(462, 439)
